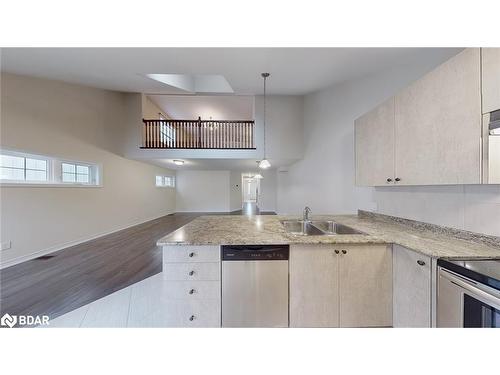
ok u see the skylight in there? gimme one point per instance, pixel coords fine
(194, 83)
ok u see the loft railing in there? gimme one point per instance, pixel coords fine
(198, 134)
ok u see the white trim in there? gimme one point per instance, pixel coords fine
(54, 171)
(47, 185)
(53, 249)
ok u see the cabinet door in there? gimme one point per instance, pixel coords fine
(375, 146)
(491, 79)
(411, 288)
(438, 125)
(366, 286)
(314, 290)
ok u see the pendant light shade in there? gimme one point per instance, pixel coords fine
(264, 163)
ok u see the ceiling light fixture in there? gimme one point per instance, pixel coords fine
(179, 162)
(264, 163)
(258, 175)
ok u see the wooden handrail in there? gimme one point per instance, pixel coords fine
(198, 134)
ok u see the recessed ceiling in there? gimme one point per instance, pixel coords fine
(294, 71)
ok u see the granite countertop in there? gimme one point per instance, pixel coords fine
(431, 240)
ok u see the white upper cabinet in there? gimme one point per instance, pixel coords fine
(491, 79)
(375, 146)
(438, 125)
(429, 133)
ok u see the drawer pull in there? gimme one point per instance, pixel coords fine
(344, 251)
(336, 251)
(420, 262)
(192, 291)
(192, 317)
(191, 273)
(191, 255)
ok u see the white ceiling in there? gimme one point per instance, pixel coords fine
(236, 107)
(245, 165)
(294, 71)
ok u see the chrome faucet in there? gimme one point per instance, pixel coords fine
(305, 215)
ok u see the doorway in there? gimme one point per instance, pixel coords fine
(250, 193)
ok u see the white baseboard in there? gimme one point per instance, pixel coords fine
(53, 249)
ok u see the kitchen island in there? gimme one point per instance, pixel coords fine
(382, 277)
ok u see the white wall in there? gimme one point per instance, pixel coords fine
(235, 191)
(268, 191)
(202, 191)
(76, 123)
(284, 125)
(324, 179)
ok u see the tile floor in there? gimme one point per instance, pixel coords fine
(138, 305)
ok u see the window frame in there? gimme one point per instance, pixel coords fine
(163, 179)
(54, 171)
(25, 156)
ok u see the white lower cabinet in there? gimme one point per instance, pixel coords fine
(340, 286)
(192, 286)
(412, 288)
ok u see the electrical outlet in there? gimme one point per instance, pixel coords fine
(6, 245)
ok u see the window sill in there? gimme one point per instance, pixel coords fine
(165, 187)
(46, 185)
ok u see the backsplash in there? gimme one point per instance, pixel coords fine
(419, 225)
(474, 208)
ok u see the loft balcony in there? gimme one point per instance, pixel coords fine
(198, 134)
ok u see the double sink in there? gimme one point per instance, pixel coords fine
(317, 228)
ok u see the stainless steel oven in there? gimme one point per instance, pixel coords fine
(468, 294)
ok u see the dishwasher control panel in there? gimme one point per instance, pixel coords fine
(255, 252)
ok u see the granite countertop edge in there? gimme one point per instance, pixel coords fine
(427, 239)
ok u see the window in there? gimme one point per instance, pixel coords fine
(18, 168)
(166, 181)
(75, 173)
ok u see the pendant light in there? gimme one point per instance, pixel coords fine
(264, 163)
(258, 175)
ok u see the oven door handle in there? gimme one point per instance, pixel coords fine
(474, 291)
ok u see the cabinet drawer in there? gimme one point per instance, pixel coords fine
(189, 254)
(199, 313)
(192, 290)
(191, 271)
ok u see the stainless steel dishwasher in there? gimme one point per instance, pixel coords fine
(255, 286)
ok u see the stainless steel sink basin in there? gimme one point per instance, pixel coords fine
(301, 227)
(331, 227)
(317, 228)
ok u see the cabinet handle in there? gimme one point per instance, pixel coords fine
(397, 179)
(344, 251)
(336, 251)
(389, 180)
(192, 317)
(191, 255)
(192, 291)
(191, 273)
(420, 262)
